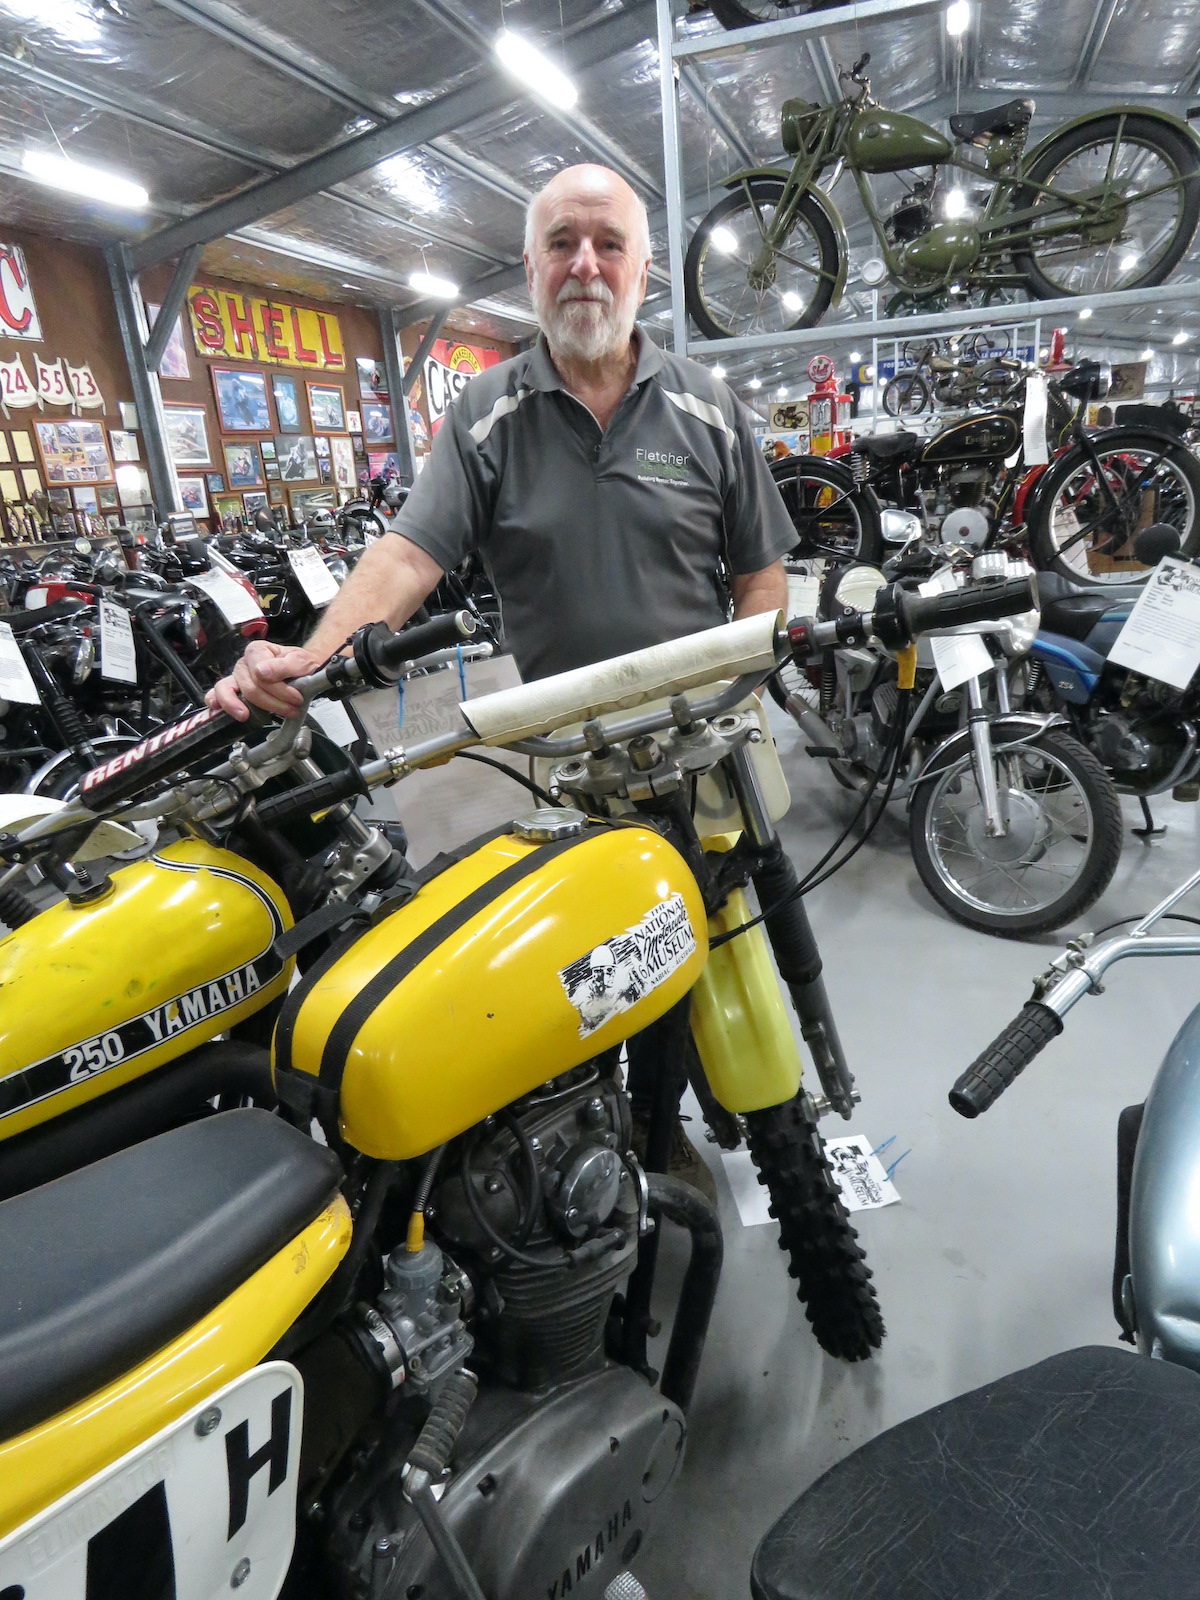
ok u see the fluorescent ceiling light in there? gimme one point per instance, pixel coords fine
(781, 392)
(1085, 313)
(535, 70)
(955, 203)
(856, 355)
(1180, 338)
(724, 240)
(69, 19)
(430, 283)
(718, 372)
(1146, 355)
(792, 300)
(754, 383)
(958, 18)
(60, 172)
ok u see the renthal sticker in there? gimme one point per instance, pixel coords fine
(148, 747)
(616, 975)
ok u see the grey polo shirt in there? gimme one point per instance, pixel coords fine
(598, 542)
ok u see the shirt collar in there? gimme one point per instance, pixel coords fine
(544, 375)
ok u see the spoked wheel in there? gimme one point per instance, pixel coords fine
(1124, 205)
(1086, 520)
(736, 283)
(906, 395)
(832, 1277)
(1055, 860)
(835, 518)
(745, 13)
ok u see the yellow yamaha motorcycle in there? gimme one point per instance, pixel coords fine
(398, 1361)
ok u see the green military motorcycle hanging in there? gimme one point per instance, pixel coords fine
(1110, 201)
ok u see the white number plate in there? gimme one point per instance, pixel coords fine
(207, 1513)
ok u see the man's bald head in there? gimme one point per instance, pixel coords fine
(588, 184)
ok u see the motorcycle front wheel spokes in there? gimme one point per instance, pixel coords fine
(738, 283)
(1057, 856)
(1088, 519)
(906, 395)
(1124, 206)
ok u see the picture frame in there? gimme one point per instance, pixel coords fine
(377, 423)
(354, 422)
(5, 454)
(228, 508)
(305, 502)
(73, 451)
(255, 500)
(358, 444)
(297, 458)
(106, 497)
(10, 486)
(242, 404)
(214, 482)
(174, 363)
(344, 474)
(85, 499)
(125, 445)
(187, 434)
(372, 378)
(275, 493)
(31, 480)
(267, 447)
(287, 403)
(321, 446)
(271, 471)
(133, 485)
(22, 445)
(127, 412)
(243, 464)
(383, 463)
(192, 491)
(326, 407)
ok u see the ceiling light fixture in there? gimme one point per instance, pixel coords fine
(430, 283)
(856, 356)
(958, 18)
(60, 172)
(718, 371)
(1180, 338)
(754, 383)
(1085, 313)
(724, 240)
(535, 70)
(955, 203)
(781, 392)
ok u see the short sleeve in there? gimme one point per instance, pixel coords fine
(758, 529)
(449, 509)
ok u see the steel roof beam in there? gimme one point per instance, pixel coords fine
(826, 71)
(172, 304)
(616, 31)
(419, 232)
(1098, 28)
(480, 171)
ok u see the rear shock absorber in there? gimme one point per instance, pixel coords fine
(16, 908)
(61, 709)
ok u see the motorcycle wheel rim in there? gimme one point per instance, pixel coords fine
(723, 275)
(1080, 501)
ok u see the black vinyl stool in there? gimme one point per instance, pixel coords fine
(1076, 1479)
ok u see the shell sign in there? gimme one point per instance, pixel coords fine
(241, 327)
(448, 369)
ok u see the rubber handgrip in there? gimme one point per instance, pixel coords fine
(986, 1079)
(981, 603)
(384, 654)
(310, 797)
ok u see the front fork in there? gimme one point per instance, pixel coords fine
(983, 754)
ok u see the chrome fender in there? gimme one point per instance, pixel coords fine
(1018, 727)
(1164, 1207)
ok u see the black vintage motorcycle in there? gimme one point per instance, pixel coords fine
(1109, 201)
(1078, 516)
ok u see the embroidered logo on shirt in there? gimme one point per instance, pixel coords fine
(662, 466)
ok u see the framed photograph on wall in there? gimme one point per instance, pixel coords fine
(256, 500)
(383, 463)
(372, 378)
(243, 465)
(287, 403)
(297, 458)
(306, 501)
(354, 421)
(125, 446)
(228, 509)
(241, 400)
(275, 493)
(187, 434)
(175, 357)
(106, 497)
(343, 461)
(377, 423)
(74, 451)
(326, 407)
(215, 482)
(192, 493)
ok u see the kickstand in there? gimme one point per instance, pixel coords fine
(1149, 831)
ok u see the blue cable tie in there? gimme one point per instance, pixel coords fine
(880, 1148)
(896, 1163)
(462, 672)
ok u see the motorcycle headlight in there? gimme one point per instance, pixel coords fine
(83, 659)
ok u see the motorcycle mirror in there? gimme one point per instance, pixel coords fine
(1153, 543)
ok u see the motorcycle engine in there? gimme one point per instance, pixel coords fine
(555, 1477)
(970, 516)
(912, 215)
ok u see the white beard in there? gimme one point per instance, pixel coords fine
(585, 324)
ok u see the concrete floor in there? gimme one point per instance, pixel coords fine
(1001, 1250)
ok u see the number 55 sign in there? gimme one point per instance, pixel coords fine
(18, 314)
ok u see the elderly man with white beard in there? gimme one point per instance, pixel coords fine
(614, 491)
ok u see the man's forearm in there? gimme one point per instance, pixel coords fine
(391, 580)
(765, 590)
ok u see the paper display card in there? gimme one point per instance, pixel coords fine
(118, 658)
(960, 656)
(235, 603)
(333, 719)
(313, 576)
(1036, 450)
(859, 1172)
(15, 681)
(1161, 639)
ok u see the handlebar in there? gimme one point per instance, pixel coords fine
(1004, 1060)
(382, 655)
(308, 798)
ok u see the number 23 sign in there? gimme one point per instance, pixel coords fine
(18, 314)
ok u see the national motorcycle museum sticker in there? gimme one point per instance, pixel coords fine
(615, 975)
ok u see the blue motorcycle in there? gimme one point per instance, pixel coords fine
(1145, 733)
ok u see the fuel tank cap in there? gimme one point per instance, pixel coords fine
(549, 823)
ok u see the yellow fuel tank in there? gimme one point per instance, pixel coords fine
(93, 996)
(514, 964)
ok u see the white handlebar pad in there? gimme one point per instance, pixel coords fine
(727, 651)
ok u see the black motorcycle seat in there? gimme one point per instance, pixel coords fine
(1073, 611)
(1011, 115)
(107, 1265)
(1071, 1480)
(25, 621)
(886, 448)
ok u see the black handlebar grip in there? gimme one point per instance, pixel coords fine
(170, 750)
(901, 614)
(863, 61)
(1002, 1063)
(382, 655)
(311, 797)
